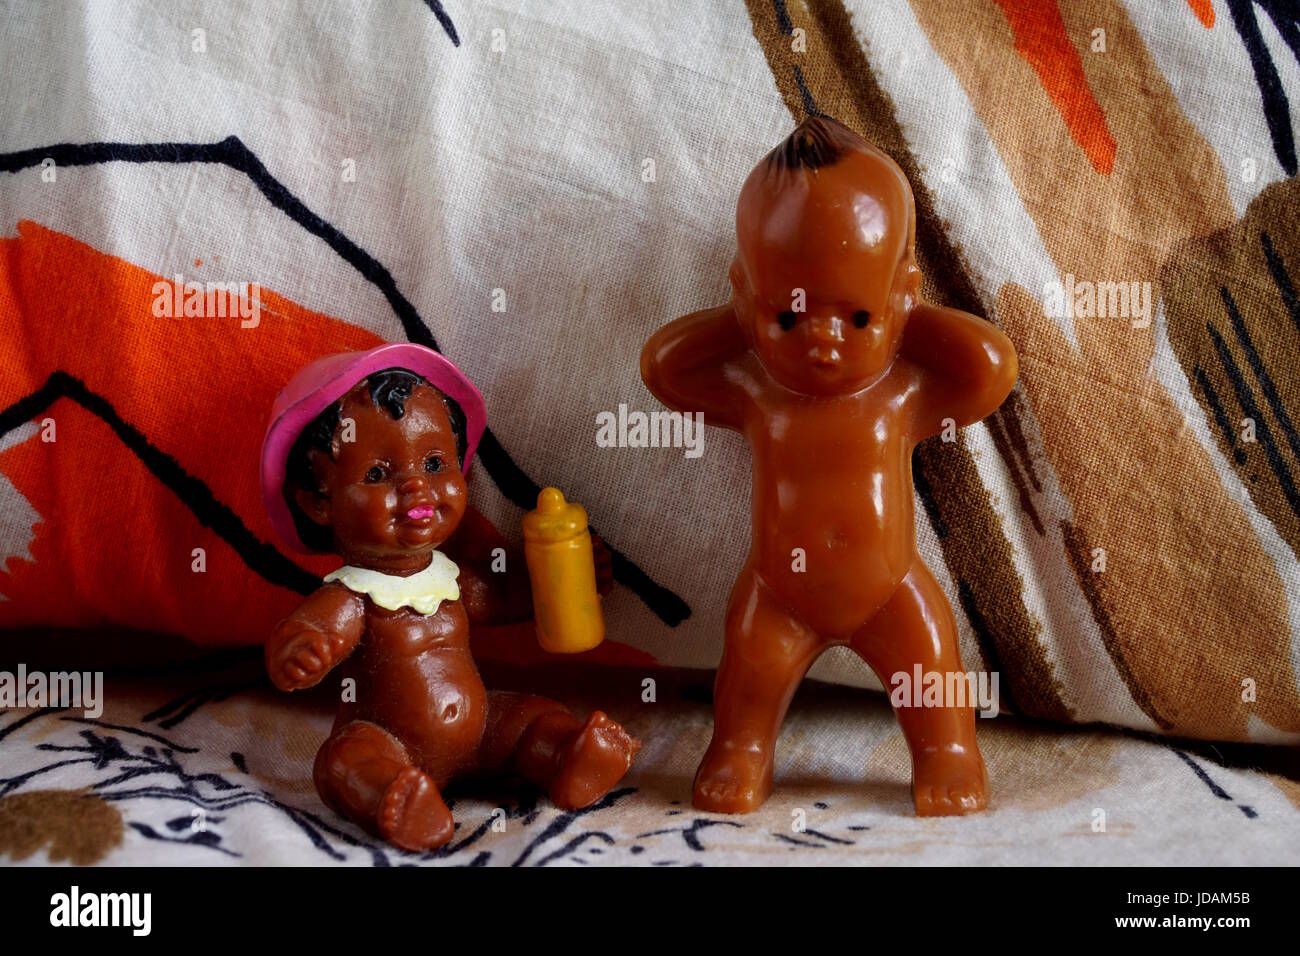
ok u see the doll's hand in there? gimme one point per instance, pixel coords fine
(299, 658)
(604, 565)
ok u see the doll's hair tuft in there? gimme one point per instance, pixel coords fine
(816, 142)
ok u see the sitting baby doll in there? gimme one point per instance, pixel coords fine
(365, 456)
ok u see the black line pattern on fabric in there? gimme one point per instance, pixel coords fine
(27, 719)
(512, 481)
(1220, 414)
(1247, 811)
(783, 17)
(1281, 278)
(1246, 399)
(136, 731)
(1256, 364)
(809, 104)
(826, 837)
(146, 771)
(1277, 110)
(690, 833)
(445, 21)
(213, 514)
(151, 773)
(176, 711)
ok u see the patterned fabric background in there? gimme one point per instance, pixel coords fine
(534, 188)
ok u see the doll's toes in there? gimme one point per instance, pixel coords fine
(969, 799)
(596, 760)
(307, 662)
(950, 786)
(950, 801)
(927, 801)
(412, 814)
(320, 648)
(731, 780)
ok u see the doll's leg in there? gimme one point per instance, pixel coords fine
(575, 761)
(363, 773)
(916, 626)
(766, 653)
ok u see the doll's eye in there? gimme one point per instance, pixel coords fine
(433, 464)
(376, 473)
(786, 320)
(861, 318)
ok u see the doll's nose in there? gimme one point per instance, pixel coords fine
(411, 484)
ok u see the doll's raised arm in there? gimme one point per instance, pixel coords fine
(493, 580)
(684, 364)
(320, 634)
(967, 367)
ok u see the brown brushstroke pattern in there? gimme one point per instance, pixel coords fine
(1002, 442)
(74, 825)
(1010, 415)
(834, 77)
(1080, 556)
(1139, 483)
(1257, 260)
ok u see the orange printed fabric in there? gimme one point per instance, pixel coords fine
(137, 461)
(140, 455)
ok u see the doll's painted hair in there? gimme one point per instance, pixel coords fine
(388, 389)
(819, 143)
(816, 142)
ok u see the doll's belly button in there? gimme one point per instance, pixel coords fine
(837, 539)
(449, 713)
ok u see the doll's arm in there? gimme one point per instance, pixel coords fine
(321, 633)
(495, 597)
(493, 578)
(684, 365)
(966, 366)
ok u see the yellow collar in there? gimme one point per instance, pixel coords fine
(422, 592)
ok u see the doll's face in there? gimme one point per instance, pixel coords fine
(824, 277)
(395, 492)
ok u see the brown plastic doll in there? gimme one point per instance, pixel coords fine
(828, 363)
(365, 456)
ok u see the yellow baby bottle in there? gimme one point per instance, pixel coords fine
(562, 568)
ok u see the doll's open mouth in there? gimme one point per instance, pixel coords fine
(825, 359)
(420, 512)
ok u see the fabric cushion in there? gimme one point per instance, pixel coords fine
(534, 189)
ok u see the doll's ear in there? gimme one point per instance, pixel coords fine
(907, 285)
(741, 299)
(737, 276)
(314, 505)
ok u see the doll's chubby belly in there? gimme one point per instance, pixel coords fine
(833, 531)
(834, 556)
(415, 677)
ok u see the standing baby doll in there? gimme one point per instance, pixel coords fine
(828, 363)
(366, 456)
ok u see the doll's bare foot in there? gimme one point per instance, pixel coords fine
(412, 814)
(949, 782)
(595, 761)
(732, 780)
